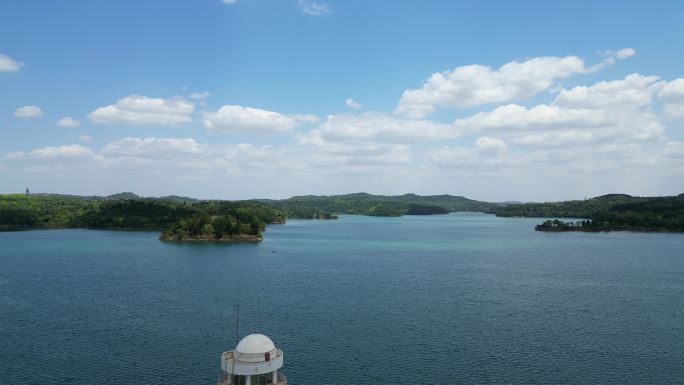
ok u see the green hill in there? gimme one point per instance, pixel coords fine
(311, 206)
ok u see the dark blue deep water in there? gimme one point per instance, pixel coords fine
(454, 299)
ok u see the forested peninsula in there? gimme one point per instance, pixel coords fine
(613, 212)
(188, 219)
(179, 218)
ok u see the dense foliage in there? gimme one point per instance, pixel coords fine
(662, 213)
(17, 218)
(376, 205)
(242, 210)
(418, 209)
(217, 227)
(186, 217)
(30, 211)
(642, 214)
(567, 209)
(127, 211)
(133, 214)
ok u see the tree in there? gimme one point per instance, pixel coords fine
(255, 226)
(207, 229)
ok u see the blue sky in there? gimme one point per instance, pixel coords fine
(529, 100)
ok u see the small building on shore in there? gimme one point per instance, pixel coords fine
(255, 361)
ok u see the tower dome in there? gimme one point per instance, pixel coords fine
(255, 344)
(255, 358)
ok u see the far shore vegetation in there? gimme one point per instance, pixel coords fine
(188, 219)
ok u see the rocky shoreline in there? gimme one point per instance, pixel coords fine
(590, 227)
(229, 238)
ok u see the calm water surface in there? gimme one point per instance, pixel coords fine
(454, 299)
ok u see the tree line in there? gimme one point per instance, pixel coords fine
(18, 211)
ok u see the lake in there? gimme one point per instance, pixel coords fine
(454, 299)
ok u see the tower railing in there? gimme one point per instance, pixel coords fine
(230, 364)
(264, 379)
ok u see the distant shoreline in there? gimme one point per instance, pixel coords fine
(588, 226)
(204, 239)
(220, 221)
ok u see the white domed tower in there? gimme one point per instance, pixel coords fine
(255, 361)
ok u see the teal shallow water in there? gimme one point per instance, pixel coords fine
(461, 298)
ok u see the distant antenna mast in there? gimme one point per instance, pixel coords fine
(237, 334)
(237, 324)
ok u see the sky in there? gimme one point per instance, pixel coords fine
(238, 99)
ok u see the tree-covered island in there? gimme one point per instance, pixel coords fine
(217, 228)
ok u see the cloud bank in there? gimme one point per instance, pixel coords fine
(137, 109)
(617, 134)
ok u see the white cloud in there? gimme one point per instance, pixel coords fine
(375, 127)
(28, 112)
(68, 121)
(50, 170)
(475, 158)
(229, 1)
(553, 126)
(85, 138)
(564, 162)
(162, 152)
(584, 139)
(166, 158)
(360, 156)
(323, 154)
(152, 147)
(137, 109)
(248, 151)
(369, 141)
(15, 155)
(234, 118)
(485, 143)
(625, 53)
(674, 149)
(199, 96)
(611, 56)
(514, 116)
(73, 151)
(351, 103)
(304, 118)
(634, 91)
(68, 151)
(313, 9)
(452, 156)
(161, 163)
(474, 85)
(7, 64)
(486, 153)
(617, 110)
(673, 97)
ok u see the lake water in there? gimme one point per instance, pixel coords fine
(455, 299)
